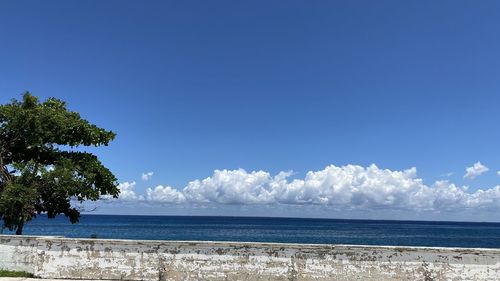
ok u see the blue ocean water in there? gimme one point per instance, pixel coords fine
(287, 230)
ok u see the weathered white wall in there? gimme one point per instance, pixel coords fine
(56, 257)
(18, 254)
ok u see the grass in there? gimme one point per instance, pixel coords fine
(8, 273)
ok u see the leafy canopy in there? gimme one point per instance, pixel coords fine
(42, 166)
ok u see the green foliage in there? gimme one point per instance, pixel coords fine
(42, 165)
(8, 273)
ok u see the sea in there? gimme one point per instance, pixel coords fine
(266, 229)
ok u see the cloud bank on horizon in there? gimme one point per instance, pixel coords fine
(349, 187)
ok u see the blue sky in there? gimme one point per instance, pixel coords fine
(195, 86)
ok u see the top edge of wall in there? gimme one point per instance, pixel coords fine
(251, 244)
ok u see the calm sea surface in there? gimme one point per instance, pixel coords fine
(289, 230)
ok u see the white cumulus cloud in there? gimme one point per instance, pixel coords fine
(164, 194)
(231, 187)
(475, 170)
(147, 176)
(127, 192)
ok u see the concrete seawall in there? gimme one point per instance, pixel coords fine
(58, 257)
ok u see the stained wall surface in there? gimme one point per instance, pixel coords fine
(57, 257)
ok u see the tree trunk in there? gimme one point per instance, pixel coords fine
(19, 230)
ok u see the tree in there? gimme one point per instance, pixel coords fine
(43, 165)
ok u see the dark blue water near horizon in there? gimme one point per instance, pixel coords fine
(282, 230)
